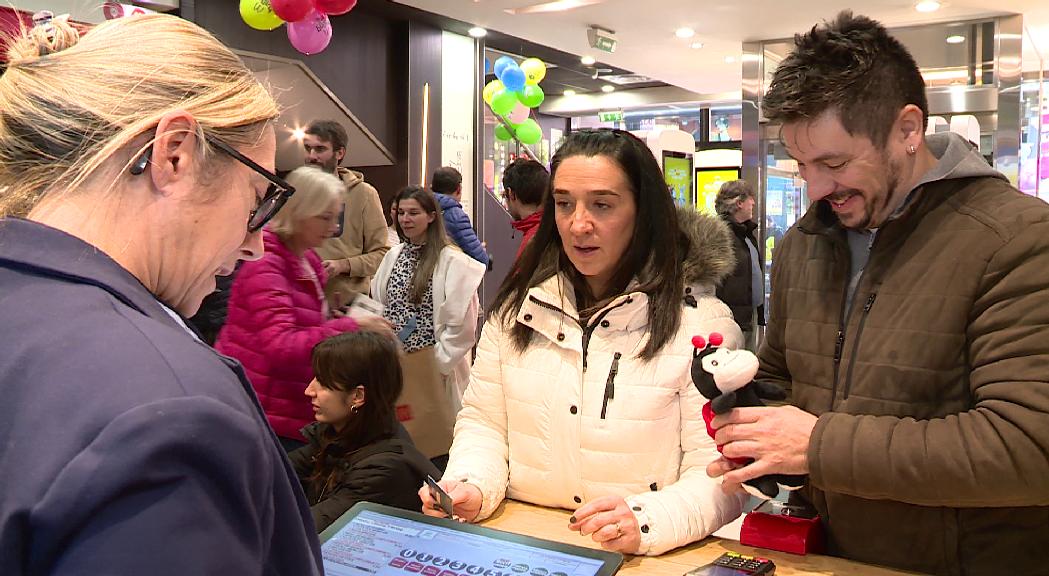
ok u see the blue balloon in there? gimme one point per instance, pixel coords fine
(487, 66)
(502, 63)
(513, 78)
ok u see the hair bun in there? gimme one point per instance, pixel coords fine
(49, 34)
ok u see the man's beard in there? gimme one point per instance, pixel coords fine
(886, 198)
(328, 166)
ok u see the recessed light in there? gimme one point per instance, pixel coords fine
(955, 39)
(927, 6)
(695, 45)
(730, 59)
(569, 92)
(685, 32)
(608, 88)
(298, 133)
(477, 32)
(588, 60)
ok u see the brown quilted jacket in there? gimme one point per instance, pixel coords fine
(931, 452)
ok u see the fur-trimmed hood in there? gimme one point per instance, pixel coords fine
(710, 255)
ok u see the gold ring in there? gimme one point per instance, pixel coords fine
(619, 530)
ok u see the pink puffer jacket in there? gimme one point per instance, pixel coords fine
(275, 319)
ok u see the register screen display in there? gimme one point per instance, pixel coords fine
(373, 543)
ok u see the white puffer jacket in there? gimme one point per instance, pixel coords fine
(576, 417)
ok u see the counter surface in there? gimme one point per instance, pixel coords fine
(552, 524)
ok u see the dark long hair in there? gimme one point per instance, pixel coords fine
(653, 257)
(344, 362)
(436, 239)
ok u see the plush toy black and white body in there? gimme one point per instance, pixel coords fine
(726, 378)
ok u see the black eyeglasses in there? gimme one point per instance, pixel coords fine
(277, 193)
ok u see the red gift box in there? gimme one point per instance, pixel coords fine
(783, 533)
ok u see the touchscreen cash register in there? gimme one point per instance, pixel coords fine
(371, 539)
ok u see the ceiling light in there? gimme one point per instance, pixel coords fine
(569, 92)
(556, 6)
(730, 59)
(927, 6)
(477, 32)
(696, 45)
(298, 133)
(608, 88)
(955, 39)
(685, 32)
(588, 60)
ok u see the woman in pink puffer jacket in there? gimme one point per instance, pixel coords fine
(277, 311)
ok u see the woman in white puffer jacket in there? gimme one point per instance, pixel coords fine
(580, 395)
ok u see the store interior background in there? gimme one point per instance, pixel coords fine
(405, 79)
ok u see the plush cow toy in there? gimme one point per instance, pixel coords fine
(726, 378)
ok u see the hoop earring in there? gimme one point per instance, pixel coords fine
(355, 409)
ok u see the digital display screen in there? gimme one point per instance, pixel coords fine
(378, 544)
(708, 182)
(677, 172)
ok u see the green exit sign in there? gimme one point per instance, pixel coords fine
(612, 116)
(605, 44)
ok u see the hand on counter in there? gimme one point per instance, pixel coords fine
(466, 500)
(777, 439)
(609, 521)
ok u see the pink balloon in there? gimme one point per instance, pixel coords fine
(334, 7)
(311, 34)
(518, 114)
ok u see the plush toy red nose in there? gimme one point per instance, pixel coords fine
(698, 342)
(716, 339)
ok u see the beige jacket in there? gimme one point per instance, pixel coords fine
(362, 243)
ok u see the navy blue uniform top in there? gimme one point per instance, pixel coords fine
(126, 445)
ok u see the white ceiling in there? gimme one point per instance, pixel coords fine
(648, 46)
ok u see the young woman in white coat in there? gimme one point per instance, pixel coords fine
(580, 396)
(429, 290)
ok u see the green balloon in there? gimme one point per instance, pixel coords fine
(502, 134)
(531, 96)
(503, 102)
(528, 132)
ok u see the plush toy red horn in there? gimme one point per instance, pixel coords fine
(699, 342)
(716, 339)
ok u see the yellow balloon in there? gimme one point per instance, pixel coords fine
(490, 89)
(534, 70)
(259, 14)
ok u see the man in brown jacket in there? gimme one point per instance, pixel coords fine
(910, 318)
(351, 258)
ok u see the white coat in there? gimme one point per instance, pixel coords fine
(455, 281)
(574, 418)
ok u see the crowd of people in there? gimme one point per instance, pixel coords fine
(907, 320)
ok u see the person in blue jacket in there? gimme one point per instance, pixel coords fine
(447, 185)
(128, 445)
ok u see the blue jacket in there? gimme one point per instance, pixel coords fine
(459, 228)
(128, 446)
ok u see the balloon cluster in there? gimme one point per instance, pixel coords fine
(309, 29)
(513, 94)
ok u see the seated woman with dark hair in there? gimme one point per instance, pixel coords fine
(354, 453)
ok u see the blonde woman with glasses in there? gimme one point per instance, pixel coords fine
(136, 163)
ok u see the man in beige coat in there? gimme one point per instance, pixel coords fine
(351, 258)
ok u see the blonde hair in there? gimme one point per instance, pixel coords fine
(70, 104)
(315, 190)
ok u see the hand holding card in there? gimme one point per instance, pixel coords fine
(465, 499)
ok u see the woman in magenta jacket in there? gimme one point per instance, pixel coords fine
(277, 310)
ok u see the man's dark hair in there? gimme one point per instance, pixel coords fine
(330, 131)
(851, 65)
(446, 180)
(527, 179)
